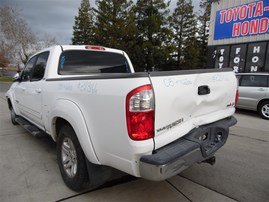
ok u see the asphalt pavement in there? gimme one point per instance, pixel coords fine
(29, 171)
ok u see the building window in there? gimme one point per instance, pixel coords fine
(256, 57)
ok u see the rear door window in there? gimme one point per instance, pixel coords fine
(40, 66)
(254, 81)
(80, 62)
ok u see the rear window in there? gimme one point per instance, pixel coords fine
(80, 62)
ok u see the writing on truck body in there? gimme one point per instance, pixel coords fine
(102, 114)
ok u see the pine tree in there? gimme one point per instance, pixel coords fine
(152, 34)
(204, 18)
(191, 51)
(115, 24)
(83, 28)
(183, 24)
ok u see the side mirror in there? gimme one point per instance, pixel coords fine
(16, 77)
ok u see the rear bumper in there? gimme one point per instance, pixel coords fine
(198, 145)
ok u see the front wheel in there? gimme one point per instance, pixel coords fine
(71, 159)
(264, 110)
(13, 116)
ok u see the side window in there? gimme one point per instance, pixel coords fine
(254, 81)
(26, 74)
(39, 69)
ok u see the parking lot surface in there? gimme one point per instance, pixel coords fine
(29, 171)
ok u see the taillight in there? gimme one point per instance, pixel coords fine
(236, 97)
(140, 113)
(95, 48)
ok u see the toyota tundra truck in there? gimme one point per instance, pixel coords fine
(102, 114)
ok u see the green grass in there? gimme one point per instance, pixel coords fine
(5, 79)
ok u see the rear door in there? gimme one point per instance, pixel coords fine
(252, 88)
(187, 99)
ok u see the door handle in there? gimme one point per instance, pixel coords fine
(261, 89)
(23, 88)
(38, 90)
(203, 90)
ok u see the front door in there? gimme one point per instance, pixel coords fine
(29, 90)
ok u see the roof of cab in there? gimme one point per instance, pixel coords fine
(90, 48)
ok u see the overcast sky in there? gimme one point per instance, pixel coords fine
(54, 17)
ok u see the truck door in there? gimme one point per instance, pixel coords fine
(21, 88)
(30, 89)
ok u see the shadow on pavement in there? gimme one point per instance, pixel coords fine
(247, 113)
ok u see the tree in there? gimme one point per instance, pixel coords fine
(16, 37)
(204, 18)
(191, 52)
(17, 40)
(83, 29)
(115, 25)
(152, 34)
(3, 60)
(183, 25)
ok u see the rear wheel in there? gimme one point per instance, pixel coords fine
(71, 159)
(264, 110)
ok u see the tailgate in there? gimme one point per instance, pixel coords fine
(187, 99)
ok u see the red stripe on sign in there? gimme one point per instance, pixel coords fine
(266, 8)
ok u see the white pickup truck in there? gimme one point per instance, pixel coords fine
(104, 115)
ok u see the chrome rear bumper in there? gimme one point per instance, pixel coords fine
(198, 145)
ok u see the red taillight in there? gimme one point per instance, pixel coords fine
(95, 48)
(140, 113)
(236, 97)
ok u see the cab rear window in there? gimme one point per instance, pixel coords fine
(80, 62)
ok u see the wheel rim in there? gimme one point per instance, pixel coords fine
(69, 157)
(265, 110)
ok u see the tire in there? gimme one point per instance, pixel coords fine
(264, 110)
(13, 116)
(71, 159)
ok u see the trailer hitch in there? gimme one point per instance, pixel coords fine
(211, 160)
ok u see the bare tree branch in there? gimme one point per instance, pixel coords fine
(17, 40)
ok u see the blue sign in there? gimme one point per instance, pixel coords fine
(244, 20)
